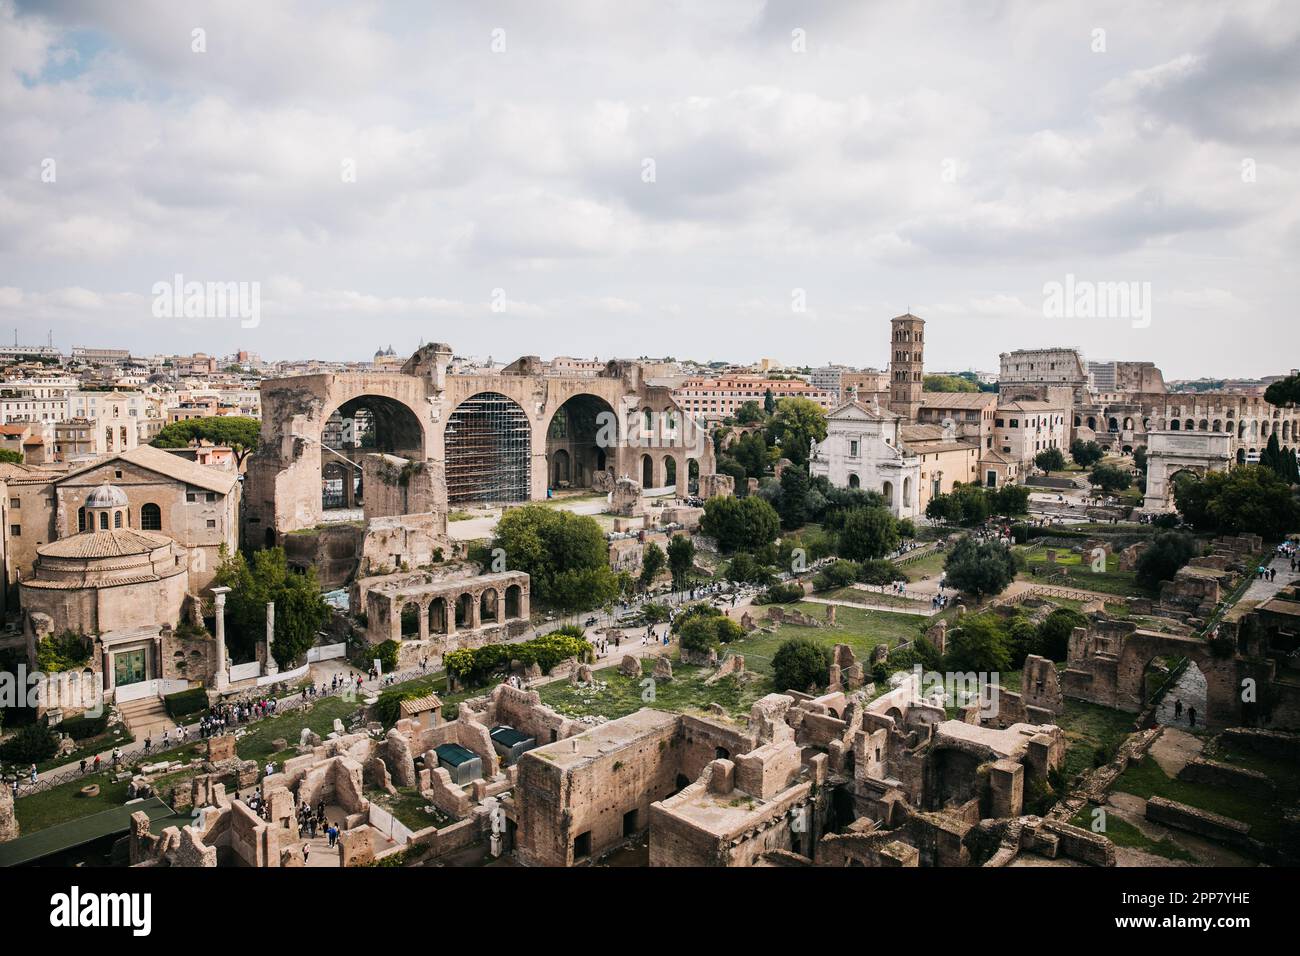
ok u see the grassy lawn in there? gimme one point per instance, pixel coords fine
(119, 737)
(1078, 573)
(408, 807)
(624, 695)
(931, 566)
(860, 629)
(1145, 779)
(1122, 833)
(1087, 727)
(320, 716)
(65, 802)
(859, 596)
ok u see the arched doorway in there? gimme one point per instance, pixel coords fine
(577, 439)
(488, 445)
(647, 472)
(670, 471)
(438, 616)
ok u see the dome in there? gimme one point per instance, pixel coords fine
(107, 496)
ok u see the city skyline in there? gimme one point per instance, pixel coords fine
(754, 180)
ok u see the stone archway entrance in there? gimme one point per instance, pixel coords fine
(488, 447)
(573, 441)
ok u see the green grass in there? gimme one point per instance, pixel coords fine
(860, 629)
(624, 695)
(1145, 779)
(65, 802)
(1087, 727)
(408, 807)
(859, 596)
(930, 566)
(1076, 572)
(320, 716)
(1122, 833)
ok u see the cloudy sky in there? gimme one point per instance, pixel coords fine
(728, 179)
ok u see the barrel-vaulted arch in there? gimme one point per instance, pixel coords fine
(308, 420)
(579, 441)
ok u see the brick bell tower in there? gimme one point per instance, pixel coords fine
(906, 365)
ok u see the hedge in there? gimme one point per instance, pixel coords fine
(186, 702)
(79, 728)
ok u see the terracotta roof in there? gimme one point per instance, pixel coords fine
(418, 705)
(958, 399)
(105, 544)
(173, 466)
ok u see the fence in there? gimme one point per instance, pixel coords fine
(326, 652)
(287, 704)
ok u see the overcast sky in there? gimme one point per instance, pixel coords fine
(655, 178)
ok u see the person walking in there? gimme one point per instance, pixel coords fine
(1191, 716)
(1178, 709)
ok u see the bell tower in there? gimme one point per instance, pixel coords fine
(906, 365)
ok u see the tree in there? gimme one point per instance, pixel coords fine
(1284, 393)
(769, 402)
(739, 475)
(237, 431)
(681, 559)
(749, 413)
(868, 534)
(978, 645)
(745, 524)
(948, 383)
(792, 503)
(1050, 459)
(300, 608)
(796, 423)
(564, 554)
(801, 664)
(10, 457)
(1086, 453)
(1009, 500)
(1109, 478)
(746, 569)
(652, 562)
(1160, 561)
(1052, 639)
(979, 568)
(751, 451)
(1247, 498)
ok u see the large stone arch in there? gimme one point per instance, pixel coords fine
(576, 436)
(1223, 676)
(303, 424)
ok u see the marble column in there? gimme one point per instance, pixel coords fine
(221, 679)
(271, 666)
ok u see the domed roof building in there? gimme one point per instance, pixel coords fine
(123, 588)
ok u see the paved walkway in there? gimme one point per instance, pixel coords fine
(1261, 590)
(920, 610)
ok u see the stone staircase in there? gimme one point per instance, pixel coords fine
(145, 717)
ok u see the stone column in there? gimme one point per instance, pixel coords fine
(221, 679)
(271, 666)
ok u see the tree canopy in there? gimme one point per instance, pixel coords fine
(794, 425)
(564, 554)
(1247, 498)
(979, 568)
(237, 431)
(740, 524)
(300, 608)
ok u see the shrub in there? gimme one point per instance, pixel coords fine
(386, 653)
(785, 593)
(880, 572)
(800, 663)
(1052, 639)
(32, 744)
(183, 703)
(82, 727)
(62, 652)
(837, 574)
(1050, 459)
(1168, 552)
